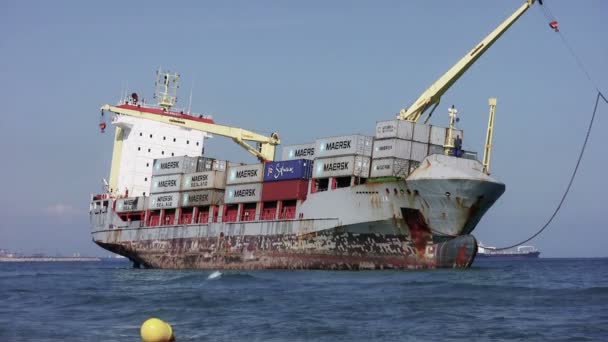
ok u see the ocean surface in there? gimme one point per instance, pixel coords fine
(524, 300)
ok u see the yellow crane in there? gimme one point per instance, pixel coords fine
(166, 95)
(432, 95)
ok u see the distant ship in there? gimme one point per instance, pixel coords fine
(519, 252)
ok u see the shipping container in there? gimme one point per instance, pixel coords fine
(306, 151)
(347, 145)
(202, 198)
(167, 183)
(400, 129)
(242, 174)
(174, 165)
(287, 169)
(243, 193)
(436, 149)
(422, 133)
(392, 148)
(164, 201)
(130, 204)
(341, 167)
(390, 167)
(438, 135)
(419, 151)
(210, 164)
(204, 180)
(285, 190)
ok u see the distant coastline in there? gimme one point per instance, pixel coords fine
(47, 259)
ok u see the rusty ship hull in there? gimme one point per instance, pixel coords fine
(423, 221)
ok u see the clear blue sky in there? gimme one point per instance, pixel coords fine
(307, 70)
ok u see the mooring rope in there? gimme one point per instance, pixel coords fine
(599, 96)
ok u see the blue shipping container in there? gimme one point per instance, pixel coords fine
(288, 169)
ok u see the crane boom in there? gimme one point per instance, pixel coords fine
(267, 144)
(432, 95)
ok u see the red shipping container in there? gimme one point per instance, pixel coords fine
(285, 190)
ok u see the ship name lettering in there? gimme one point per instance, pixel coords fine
(247, 173)
(336, 166)
(338, 145)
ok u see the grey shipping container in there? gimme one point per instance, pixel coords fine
(390, 167)
(202, 198)
(436, 149)
(164, 201)
(243, 193)
(204, 180)
(210, 164)
(301, 151)
(341, 167)
(392, 148)
(422, 133)
(167, 183)
(251, 173)
(174, 165)
(438, 135)
(347, 145)
(400, 129)
(419, 151)
(130, 204)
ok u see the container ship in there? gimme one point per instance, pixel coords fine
(407, 197)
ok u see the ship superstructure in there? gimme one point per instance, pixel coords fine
(407, 197)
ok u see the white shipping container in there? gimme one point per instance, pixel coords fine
(419, 151)
(347, 145)
(204, 180)
(167, 183)
(341, 167)
(202, 198)
(174, 165)
(400, 129)
(301, 151)
(422, 133)
(130, 204)
(241, 174)
(243, 193)
(390, 167)
(438, 135)
(164, 201)
(392, 148)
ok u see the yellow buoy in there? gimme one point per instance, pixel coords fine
(156, 330)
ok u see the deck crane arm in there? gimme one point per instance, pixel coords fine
(432, 95)
(264, 152)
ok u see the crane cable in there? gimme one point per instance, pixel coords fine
(554, 25)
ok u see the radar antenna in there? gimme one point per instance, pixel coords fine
(166, 86)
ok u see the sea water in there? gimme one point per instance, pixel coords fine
(525, 300)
